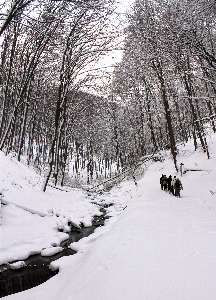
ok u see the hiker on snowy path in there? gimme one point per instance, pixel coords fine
(178, 186)
(161, 181)
(169, 181)
(172, 184)
(164, 183)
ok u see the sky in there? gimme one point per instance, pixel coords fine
(115, 56)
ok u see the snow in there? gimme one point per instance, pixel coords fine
(154, 246)
(17, 265)
(51, 251)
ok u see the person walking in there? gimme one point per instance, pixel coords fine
(169, 181)
(172, 185)
(178, 186)
(164, 183)
(161, 181)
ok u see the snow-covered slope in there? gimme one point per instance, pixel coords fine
(31, 218)
(160, 247)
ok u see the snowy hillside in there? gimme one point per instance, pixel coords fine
(155, 246)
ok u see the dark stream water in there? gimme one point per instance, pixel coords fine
(37, 267)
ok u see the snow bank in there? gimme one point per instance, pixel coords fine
(31, 220)
(17, 265)
(51, 251)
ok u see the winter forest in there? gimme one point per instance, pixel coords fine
(78, 123)
(105, 105)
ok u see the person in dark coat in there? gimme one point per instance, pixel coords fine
(161, 181)
(178, 186)
(169, 181)
(164, 183)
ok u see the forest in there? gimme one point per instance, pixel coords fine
(60, 110)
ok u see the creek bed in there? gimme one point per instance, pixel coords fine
(37, 267)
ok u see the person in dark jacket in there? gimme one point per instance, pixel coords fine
(164, 183)
(161, 181)
(178, 186)
(169, 181)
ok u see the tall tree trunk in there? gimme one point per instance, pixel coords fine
(159, 71)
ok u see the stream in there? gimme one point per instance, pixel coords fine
(37, 267)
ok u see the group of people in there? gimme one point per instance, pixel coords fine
(173, 185)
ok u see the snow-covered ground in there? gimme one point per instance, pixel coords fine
(155, 246)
